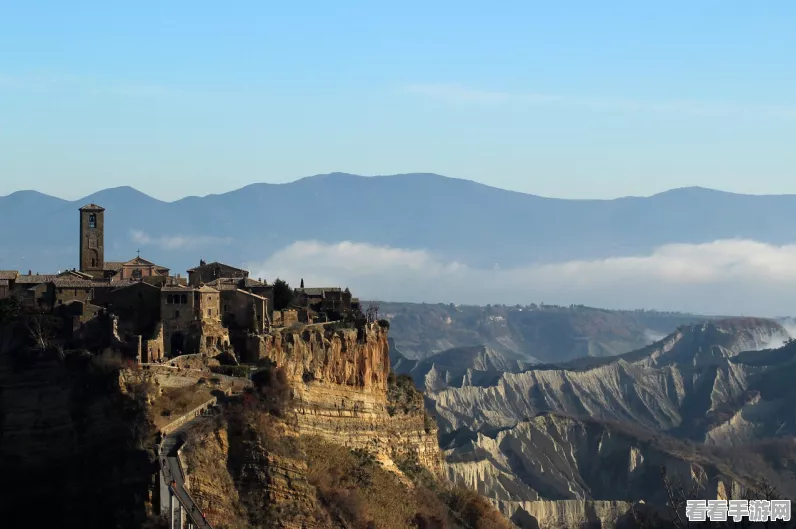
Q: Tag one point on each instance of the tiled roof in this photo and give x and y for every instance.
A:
(225, 286)
(177, 288)
(213, 265)
(34, 279)
(8, 274)
(115, 266)
(318, 291)
(205, 288)
(92, 207)
(75, 273)
(249, 282)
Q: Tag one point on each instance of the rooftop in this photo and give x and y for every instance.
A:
(34, 279)
(319, 291)
(8, 274)
(92, 207)
(114, 266)
(213, 265)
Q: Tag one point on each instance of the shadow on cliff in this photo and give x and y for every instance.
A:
(75, 450)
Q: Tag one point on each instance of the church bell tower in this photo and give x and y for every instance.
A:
(92, 240)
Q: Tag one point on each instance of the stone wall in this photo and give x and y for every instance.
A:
(154, 347)
(187, 416)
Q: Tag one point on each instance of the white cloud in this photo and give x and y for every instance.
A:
(177, 242)
(722, 277)
(464, 94)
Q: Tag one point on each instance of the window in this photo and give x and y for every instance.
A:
(92, 221)
(176, 314)
(169, 299)
(184, 299)
(75, 292)
(137, 273)
(209, 312)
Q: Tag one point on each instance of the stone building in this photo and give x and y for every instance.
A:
(259, 288)
(138, 307)
(242, 310)
(7, 280)
(92, 240)
(191, 318)
(331, 300)
(207, 272)
(137, 268)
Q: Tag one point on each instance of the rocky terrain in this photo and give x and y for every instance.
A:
(593, 432)
(534, 333)
(337, 441)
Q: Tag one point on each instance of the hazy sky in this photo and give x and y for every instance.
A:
(567, 99)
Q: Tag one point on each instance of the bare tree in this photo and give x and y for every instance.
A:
(41, 331)
(678, 496)
(372, 313)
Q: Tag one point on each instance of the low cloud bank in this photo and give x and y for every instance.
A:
(725, 277)
(177, 242)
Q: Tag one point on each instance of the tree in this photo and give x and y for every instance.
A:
(9, 309)
(283, 295)
(372, 313)
(41, 330)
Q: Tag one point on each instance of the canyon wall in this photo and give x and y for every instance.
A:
(340, 381)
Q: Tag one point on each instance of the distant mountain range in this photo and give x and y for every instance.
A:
(457, 219)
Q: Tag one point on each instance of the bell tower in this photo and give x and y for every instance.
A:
(92, 240)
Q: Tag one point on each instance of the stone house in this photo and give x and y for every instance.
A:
(138, 307)
(329, 299)
(207, 272)
(7, 280)
(242, 310)
(191, 319)
(254, 286)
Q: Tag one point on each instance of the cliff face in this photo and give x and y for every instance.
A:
(341, 381)
(354, 447)
(67, 432)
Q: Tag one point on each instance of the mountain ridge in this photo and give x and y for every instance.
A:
(339, 174)
(457, 220)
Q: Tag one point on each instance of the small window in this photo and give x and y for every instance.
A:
(209, 312)
(184, 299)
(75, 292)
(137, 273)
(92, 221)
(176, 314)
(169, 299)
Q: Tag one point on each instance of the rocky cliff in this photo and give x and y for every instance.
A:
(68, 433)
(340, 381)
(354, 446)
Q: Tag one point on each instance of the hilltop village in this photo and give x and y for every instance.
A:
(140, 308)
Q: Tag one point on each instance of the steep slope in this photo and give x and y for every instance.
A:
(329, 438)
(476, 365)
(463, 221)
(532, 333)
(683, 384)
(531, 469)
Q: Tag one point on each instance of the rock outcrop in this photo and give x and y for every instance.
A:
(340, 382)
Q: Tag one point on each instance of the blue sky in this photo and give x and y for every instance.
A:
(567, 99)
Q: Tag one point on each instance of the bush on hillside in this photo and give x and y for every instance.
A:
(273, 389)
